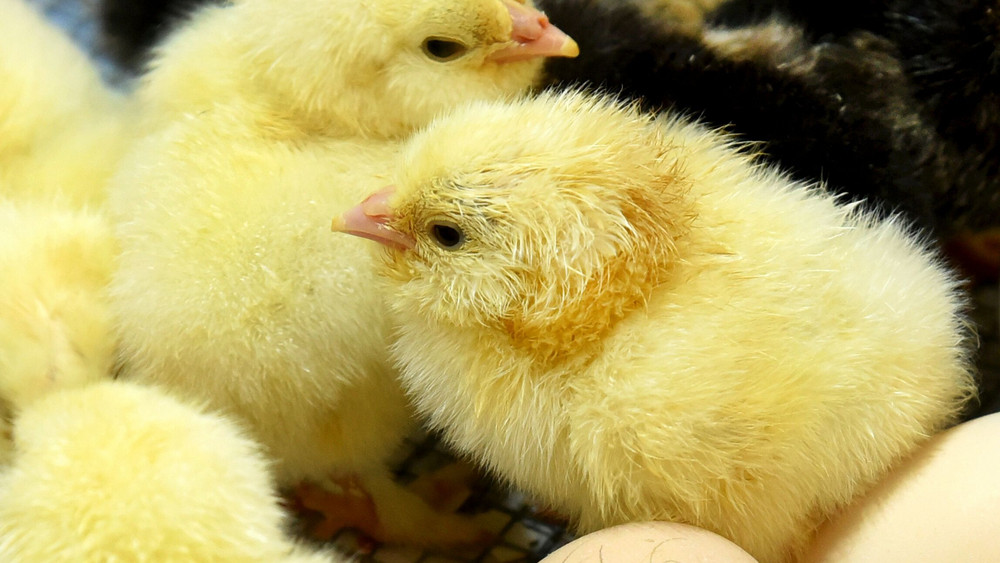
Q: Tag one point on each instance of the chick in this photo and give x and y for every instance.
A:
(687, 15)
(230, 291)
(260, 115)
(55, 322)
(62, 130)
(121, 472)
(343, 67)
(631, 320)
(947, 52)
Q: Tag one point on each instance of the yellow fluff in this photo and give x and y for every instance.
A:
(120, 472)
(631, 320)
(231, 291)
(343, 67)
(55, 323)
(260, 116)
(61, 129)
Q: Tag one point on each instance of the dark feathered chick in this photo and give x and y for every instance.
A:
(843, 109)
(130, 29)
(948, 53)
(631, 320)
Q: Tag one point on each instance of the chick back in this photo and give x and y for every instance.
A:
(231, 290)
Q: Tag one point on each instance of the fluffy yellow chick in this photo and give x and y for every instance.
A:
(344, 67)
(120, 472)
(259, 119)
(62, 130)
(631, 320)
(230, 291)
(55, 322)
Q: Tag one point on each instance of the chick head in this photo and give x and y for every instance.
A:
(385, 67)
(548, 219)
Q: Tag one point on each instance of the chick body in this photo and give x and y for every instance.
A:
(946, 53)
(641, 324)
(56, 329)
(120, 472)
(231, 292)
(62, 130)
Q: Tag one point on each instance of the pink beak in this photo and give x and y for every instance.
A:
(533, 36)
(370, 220)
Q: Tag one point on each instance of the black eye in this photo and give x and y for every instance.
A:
(443, 50)
(447, 235)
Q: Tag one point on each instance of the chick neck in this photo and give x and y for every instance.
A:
(566, 319)
(572, 332)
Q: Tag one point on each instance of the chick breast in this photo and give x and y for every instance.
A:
(643, 324)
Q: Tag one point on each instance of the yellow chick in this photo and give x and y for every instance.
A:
(120, 472)
(343, 67)
(260, 116)
(62, 130)
(55, 322)
(630, 319)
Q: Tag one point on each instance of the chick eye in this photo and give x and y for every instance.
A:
(443, 50)
(447, 235)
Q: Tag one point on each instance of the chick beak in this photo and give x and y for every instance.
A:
(533, 36)
(370, 220)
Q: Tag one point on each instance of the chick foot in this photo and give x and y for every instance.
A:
(385, 511)
(446, 489)
(341, 503)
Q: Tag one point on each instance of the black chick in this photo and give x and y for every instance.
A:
(949, 53)
(843, 109)
(129, 28)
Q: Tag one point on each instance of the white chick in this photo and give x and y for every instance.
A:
(631, 320)
(62, 130)
(121, 472)
(230, 291)
(343, 67)
(56, 329)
